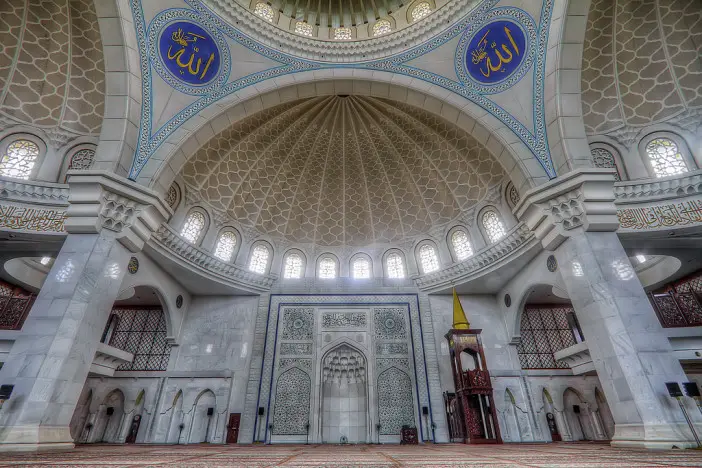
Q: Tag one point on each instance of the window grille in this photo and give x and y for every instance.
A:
(382, 27)
(259, 259)
(665, 157)
(303, 29)
(265, 11)
(342, 34)
(19, 159)
(493, 226)
(361, 268)
(293, 266)
(546, 330)
(604, 158)
(461, 245)
(193, 227)
(142, 332)
(428, 258)
(395, 266)
(225, 246)
(420, 11)
(327, 268)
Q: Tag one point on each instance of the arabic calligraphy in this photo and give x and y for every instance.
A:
(665, 216)
(496, 52)
(189, 53)
(30, 219)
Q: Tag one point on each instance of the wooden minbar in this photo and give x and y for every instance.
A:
(472, 413)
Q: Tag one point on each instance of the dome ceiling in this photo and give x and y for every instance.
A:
(337, 170)
(332, 13)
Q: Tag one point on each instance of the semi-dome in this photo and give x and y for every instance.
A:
(342, 170)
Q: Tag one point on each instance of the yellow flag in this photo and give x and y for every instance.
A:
(460, 322)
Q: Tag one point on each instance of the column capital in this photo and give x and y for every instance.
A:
(581, 200)
(102, 200)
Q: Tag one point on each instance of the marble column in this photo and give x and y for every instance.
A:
(576, 218)
(108, 219)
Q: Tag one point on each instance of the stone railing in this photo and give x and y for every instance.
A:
(655, 204)
(171, 241)
(489, 256)
(666, 188)
(32, 206)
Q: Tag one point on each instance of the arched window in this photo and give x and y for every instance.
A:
(665, 157)
(19, 159)
(342, 34)
(494, 228)
(361, 268)
(193, 227)
(421, 10)
(428, 258)
(293, 266)
(327, 268)
(264, 11)
(395, 266)
(82, 159)
(461, 244)
(382, 27)
(258, 263)
(304, 29)
(224, 250)
(604, 158)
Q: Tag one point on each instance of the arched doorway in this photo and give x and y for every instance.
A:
(175, 425)
(109, 420)
(344, 394)
(576, 414)
(550, 416)
(204, 422)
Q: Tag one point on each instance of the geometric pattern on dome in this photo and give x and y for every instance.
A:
(335, 171)
(636, 86)
(51, 65)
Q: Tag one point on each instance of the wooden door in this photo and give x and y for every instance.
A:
(134, 430)
(233, 428)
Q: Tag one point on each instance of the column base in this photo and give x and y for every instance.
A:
(35, 439)
(654, 436)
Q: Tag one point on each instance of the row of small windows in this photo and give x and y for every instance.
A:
(380, 27)
(195, 224)
(663, 156)
(21, 155)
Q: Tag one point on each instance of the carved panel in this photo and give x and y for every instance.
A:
(390, 323)
(395, 407)
(30, 219)
(344, 320)
(289, 362)
(298, 323)
(303, 349)
(391, 348)
(292, 403)
(344, 363)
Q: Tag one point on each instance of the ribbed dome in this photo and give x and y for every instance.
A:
(337, 170)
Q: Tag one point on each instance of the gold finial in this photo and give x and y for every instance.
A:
(460, 322)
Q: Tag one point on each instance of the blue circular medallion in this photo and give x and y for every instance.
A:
(189, 53)
(496, 52)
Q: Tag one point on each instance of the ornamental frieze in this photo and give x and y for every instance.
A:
(32, 219)
(665, 216)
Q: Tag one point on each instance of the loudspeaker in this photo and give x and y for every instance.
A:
(673, 389)
(210, 411)
(576, 409)
(110, 411)
(691, 389)
(425, 410)
(261, 410)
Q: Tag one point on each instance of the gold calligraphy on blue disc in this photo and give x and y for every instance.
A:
(189, 53)
(496, 52)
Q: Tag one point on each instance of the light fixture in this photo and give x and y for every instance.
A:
(45, 260)
(641, 258)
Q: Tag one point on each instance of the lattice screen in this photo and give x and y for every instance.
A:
(680, 304)
(142, 332)
(545, 330)
(15, 304)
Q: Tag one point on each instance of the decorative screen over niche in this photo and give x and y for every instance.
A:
(15, 304)
(142, 332)
(546, 330)
(680, 304)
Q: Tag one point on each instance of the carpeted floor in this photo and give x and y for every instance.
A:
(492, 456)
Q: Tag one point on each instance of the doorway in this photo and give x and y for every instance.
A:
(233, 428)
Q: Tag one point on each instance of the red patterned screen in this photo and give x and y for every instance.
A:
(15, 304)
(680, 304)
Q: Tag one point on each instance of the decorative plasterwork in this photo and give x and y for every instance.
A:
(33, 206)
(151, 138)
(655, 189)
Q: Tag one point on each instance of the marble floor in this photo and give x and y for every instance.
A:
(530, 455)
